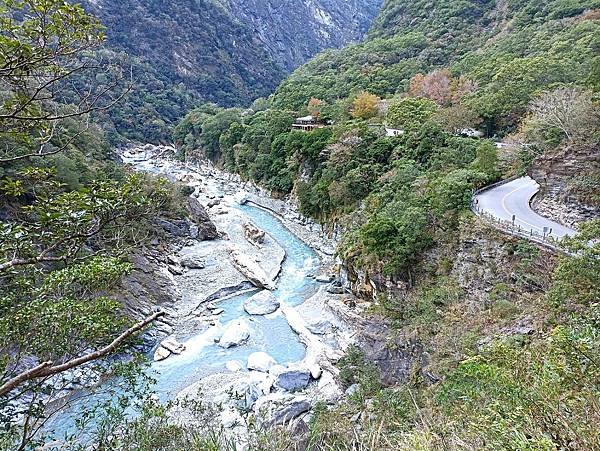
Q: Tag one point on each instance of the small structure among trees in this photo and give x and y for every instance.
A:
(313, 120)
(393, 132)
(307, 123)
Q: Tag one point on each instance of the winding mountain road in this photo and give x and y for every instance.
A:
(510, 202)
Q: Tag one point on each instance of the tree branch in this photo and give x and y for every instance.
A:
(48, 368)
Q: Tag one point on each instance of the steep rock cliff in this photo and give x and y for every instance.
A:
(292, 32)
(226, 51)
(569, 184)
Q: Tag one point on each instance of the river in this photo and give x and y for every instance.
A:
(202, 356)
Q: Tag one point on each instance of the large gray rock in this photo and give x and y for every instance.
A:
(251, 270)
(176, 227)
(192, 262)
(261, 303)
(292, 379)
(206, 229)
(278, 408)
(236, 333)
(261, 361)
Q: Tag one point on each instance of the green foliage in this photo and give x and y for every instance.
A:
(410, 113)
(397, 239)
(70, 216)
(500, 404)
(577, 279)
(547, 43)
(486, 161)
(453, 192)
(354, 369)
(260, 146)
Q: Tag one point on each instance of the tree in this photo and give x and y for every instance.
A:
(434, 86)
(410, 113)
(397, 239)
(452, 193)
(365, 106)
(212, 129)
(441, 87)
(577, 278)
(314, 107)
(40, 50)
(457, 117)
(62, 247)
(571, 111)
(486, 160)
(461, 87)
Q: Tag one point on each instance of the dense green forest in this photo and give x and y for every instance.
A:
(496, 70)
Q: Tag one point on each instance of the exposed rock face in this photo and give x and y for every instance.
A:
(161, 354)
(569, 185)
(230, 51)
(279, 408)
(206, 229)
(319, 326)
(292, 32)
(368, 284)
(147, 288)
(485, 258)
(179, 228)
(395, 356)
(261, 303)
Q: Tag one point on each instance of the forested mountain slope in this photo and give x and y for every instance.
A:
(292, 32)
(509, 48)
(225, 52)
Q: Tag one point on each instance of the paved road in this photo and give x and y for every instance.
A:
(513, 198)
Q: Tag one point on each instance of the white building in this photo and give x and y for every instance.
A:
(393, 132)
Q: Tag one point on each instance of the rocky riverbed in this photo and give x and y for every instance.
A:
(256, 312)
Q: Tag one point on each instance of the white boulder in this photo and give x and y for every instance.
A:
(261, 303)
(236, 333)
(234, 366)
(161, 354)
(173, 345)
(251, 270)
(261, 361)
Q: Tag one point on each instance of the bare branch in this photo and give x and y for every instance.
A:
(49, 369)
(41, 152)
